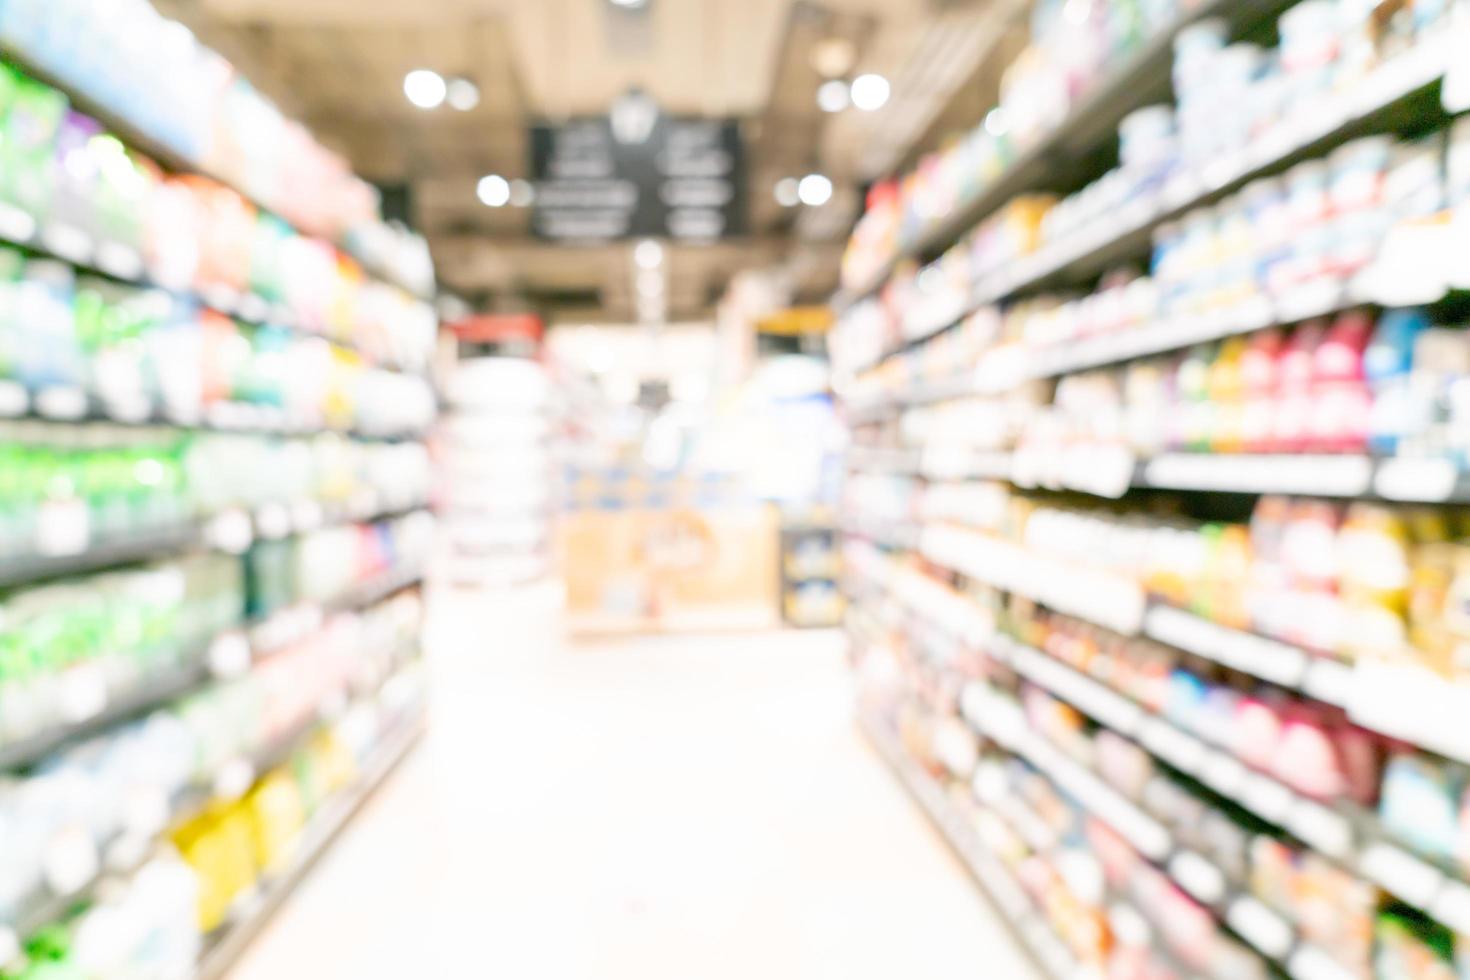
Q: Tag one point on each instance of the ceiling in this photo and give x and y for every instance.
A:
(338, 65)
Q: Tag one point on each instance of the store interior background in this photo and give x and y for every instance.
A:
(727, 488)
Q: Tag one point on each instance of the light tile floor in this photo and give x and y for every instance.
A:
(660, 808)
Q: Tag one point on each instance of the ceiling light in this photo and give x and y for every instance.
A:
(788, 192)
(833, 57)
(633, 117)
(424, 88)
(648, 254)
(522, 193)
(832, 96)
(814, 190)
(870, 92)
(463, 94)
(493, 191)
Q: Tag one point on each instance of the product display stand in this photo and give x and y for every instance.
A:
(225, 949)
(1079, 528)
(216, 529)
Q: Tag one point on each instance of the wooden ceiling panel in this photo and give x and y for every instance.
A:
(338, 65)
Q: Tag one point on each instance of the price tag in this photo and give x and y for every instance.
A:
(233, 779)
(1224, 775)
(222, 298)
(14, 400)
(1183, 752)
(1413, 703)
(1430, 480)
(128, 408)
(334, 705)
(230, 532)
(1181, 190)
(1259, 926)
(229, 655)
(67, 242)
(127, 851)
(120, 261)
(1329, 681)
(70, 861)
(364, 503)
(1310, 963)
(1267, 798)
(146, 811)
(253, 308)
(63, 527)
(973, 701)
(1131, 928)
(1198, 877)
(1328, 832)
(1311, 300)
(16, 225)
(1104, 471)
(1399, 872)
(62, 402)
(273, 521)
(306, 515)
(83, 693)
(1452, 906)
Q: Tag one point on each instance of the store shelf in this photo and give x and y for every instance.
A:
(1004, 892)
(1410, 704)
(19, 570)
(1110, 471)
(1405, 700)
(377, 589)
(1127, 232)
(1007, 370)
(232, 531)
(1282, 664)
(228, 654)
(1348, 834)
(157, 690)
(891, 533)
(1096, 596)
(124, 264)
(73, 405)
(224, 948)
(1092, 121)
(1269, 933)
(130, 846)
(165, 156)
(886, 460)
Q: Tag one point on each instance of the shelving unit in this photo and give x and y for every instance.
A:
(1398, 88)
(280, 557)
(1017, 910)
(225, 948)
(945, 611)
(1089, 125)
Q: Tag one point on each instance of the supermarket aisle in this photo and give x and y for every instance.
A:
(644, 808)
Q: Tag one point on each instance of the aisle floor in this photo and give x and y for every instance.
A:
(652, 809)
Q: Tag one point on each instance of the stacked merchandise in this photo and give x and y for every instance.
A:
(498, 469)
(811, 563)
(1158, 571)
(186, 106)
(212, 490)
